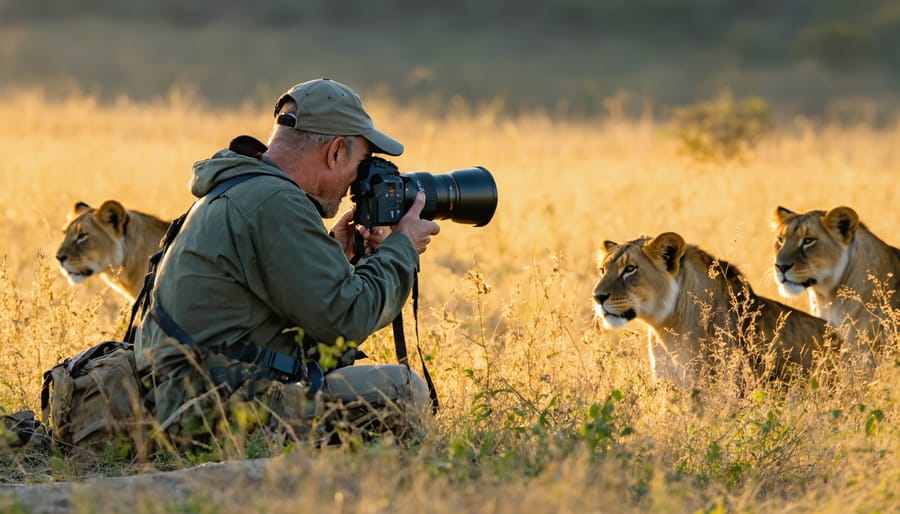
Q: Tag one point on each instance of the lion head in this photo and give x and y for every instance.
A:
(695, 305)
(638, 279)
(93, 241)
(811, 248)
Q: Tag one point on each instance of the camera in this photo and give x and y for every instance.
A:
(383, 195)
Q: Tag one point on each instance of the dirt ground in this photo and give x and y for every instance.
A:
(224, 483)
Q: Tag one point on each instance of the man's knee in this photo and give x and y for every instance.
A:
(374, 383)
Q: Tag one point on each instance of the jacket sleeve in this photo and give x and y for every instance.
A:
(305, 277)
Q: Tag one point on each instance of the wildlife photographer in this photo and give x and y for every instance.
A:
(257, 306)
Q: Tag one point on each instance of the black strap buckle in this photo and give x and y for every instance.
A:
(290, 368)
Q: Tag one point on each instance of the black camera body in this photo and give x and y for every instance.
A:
(383, 195)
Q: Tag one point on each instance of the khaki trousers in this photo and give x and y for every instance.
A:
(363, 401)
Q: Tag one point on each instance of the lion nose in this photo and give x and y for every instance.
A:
(783, 267)
(61, 258)
(600, 297)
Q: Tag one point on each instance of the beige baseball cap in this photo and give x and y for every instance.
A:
(328, 107)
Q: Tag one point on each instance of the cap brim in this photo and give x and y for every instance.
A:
(383, 143)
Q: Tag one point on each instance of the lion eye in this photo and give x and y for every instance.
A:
(81, 238)
(628, 270)
(808, 241)
(602, 270)
(779, 241)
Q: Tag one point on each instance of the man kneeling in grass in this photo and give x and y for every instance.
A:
(256, 305)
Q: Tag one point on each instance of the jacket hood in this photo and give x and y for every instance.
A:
(225, 164)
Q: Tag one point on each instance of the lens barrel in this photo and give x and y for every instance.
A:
(467, 195)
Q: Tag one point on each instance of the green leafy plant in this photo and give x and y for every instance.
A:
(604, 427)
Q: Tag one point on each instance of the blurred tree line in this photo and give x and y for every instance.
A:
(839, 34)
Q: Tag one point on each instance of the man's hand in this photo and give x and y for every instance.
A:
(374, 237)
(411, 225)
(344, 231)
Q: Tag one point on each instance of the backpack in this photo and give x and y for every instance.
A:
(94, 403)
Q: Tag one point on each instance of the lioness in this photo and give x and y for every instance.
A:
(838, 260)
(112, 241)
(694, 303)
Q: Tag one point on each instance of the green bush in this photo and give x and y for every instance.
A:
(722, 129)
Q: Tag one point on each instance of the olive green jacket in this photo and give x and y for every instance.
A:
(259, 260)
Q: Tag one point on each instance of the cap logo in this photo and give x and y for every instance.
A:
(288, 119)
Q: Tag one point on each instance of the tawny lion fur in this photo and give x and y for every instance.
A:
(852, 277)
(695, 304)
(111, 241)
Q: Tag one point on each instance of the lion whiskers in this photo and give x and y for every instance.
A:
(769, 278)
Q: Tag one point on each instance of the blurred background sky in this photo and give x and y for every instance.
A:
(827, 59)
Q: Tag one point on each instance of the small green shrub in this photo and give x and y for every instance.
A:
(722, 129)
(603, 426)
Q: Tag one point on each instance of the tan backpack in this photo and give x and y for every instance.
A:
(93, 403)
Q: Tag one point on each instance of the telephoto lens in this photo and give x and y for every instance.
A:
(383, 195)
(467, 195)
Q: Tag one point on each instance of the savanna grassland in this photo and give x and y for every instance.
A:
(542, 409)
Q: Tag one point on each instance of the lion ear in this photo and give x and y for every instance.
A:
(112, 216)
(668, 249)
(843, 221)
(81, 208)
(781, 215)
(609, 245)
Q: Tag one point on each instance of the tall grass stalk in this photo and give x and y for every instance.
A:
(543, 411)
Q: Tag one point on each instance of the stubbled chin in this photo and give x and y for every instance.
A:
(790, 289)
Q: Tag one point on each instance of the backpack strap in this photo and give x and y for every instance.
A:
(282, 367)
(141, 303)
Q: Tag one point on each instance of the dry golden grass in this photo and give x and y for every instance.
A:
(542, 410)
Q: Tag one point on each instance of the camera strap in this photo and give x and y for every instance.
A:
(359, 250)
(400, 343)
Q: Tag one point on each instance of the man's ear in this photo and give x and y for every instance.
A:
(337, 150)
